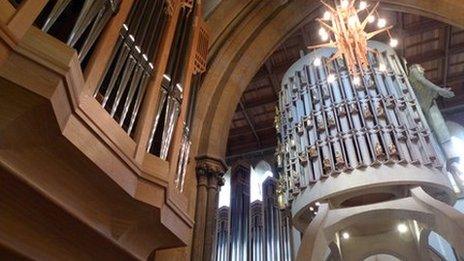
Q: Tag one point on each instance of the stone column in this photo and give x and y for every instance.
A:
(209, 179)
(215, 180)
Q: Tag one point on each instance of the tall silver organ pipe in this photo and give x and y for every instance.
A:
(285, 239)
(330, 124)
(172, 85)
(122, 89)
(272, 221)
(257, 241)
(223, 234)
(259, 231)
(239, 217)
(87, 17)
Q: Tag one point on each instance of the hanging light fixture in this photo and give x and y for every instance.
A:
(344, 27)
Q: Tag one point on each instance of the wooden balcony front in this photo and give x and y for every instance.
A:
(74, 184)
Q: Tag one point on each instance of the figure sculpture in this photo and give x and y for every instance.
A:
(427, 93)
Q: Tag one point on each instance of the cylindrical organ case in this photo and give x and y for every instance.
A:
(338, 132)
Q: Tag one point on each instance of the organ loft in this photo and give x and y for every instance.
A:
(214, 130)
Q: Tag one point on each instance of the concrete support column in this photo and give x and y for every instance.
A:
(209, 179)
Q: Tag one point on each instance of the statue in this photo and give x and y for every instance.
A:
(427, 93)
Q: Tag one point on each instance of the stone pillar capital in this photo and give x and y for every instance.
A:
(209, 167)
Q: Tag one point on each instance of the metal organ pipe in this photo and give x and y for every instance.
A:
(185, 143)
(130, 67)
(223, 234)
(256, 231)
(172, 85)
(329, 124)
(87, 26)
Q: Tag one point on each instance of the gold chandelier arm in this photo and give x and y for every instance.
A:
(325, 25)
(331, 44)
(372, 34)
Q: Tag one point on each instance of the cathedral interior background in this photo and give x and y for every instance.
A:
(208, 130)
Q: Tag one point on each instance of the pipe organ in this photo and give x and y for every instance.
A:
(199, 61)
(123, 87)
(256, 231)
(77, 23)
(272, 221)
(172, 85)
(352, 146)
(239, 213)
(329, 125)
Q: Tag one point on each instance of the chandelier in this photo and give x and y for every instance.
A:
(343, 27)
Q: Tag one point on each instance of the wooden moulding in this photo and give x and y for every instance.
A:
(41, 67)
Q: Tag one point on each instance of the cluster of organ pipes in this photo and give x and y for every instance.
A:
(171, 97)
(186, 142)
(92, 17)
(328, 125)
(123, 86)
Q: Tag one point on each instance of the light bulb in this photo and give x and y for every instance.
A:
(324, 37)
(402, 228)
(345, 235)
(382, 67)
(317, 62)
(344, 3)
(393, 42)
(362, 5)
(317, 204)
(331, 78)
(352, 21)
(381, 23)
(357, 80)
(326, 16)
(371, 19)
(322, 31)
(311, 209)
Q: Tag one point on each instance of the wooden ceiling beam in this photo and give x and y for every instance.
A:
(275, 85)
(234, 146)
(250, 123)
(435, 54)
(256, 115)
(422, 27)
(262, 132)
(258, 102)
(255, 153)
(259, 127)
